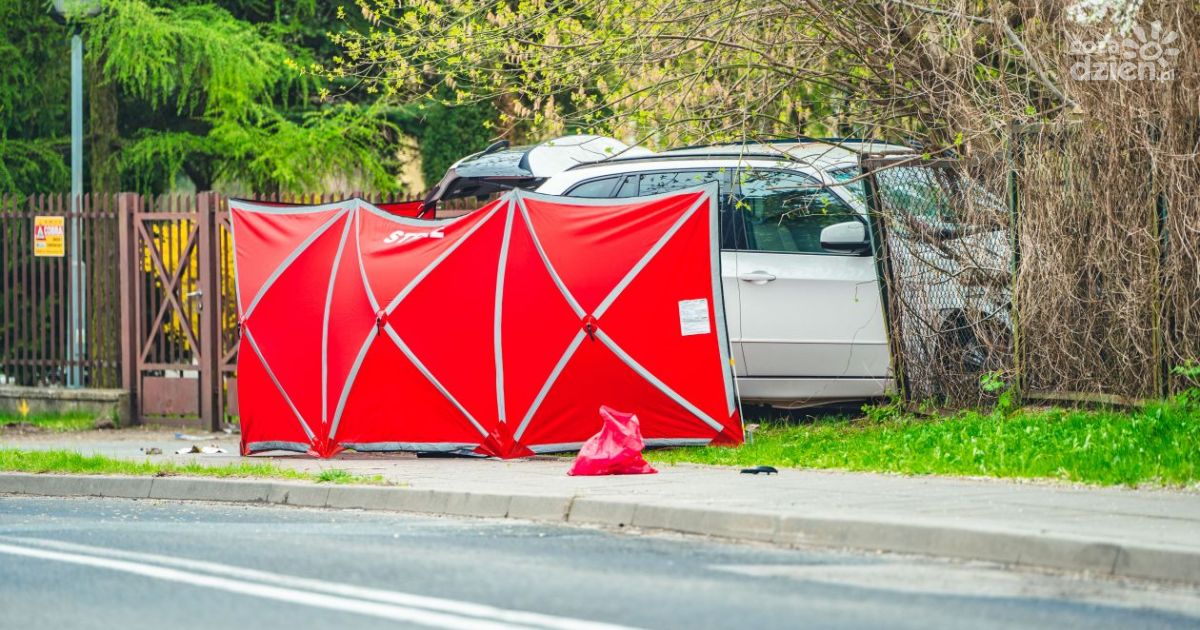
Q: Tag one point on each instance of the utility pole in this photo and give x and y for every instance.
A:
(77, 292)
(70, 12)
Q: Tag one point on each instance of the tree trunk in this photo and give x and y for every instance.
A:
(103, 137)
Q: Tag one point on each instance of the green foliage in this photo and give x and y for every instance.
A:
(152, 158)
(445, 133)
(33, 100)
(271, 149)
(33, 165)
(883, 412)
(71, 421)
(194, 57)
(1189, 370)
(1157, 444)
(994, 383)
(660, 71)
(16, 460)
(208, 90)
(335, 475)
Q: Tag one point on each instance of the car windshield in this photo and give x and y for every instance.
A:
(932, 197)
(856, 188)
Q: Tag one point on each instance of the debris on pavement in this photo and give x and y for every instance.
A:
(764, 470)
(615, 450)
(202, 450)
(151, 450)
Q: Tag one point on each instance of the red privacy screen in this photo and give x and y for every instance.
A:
(545, 307)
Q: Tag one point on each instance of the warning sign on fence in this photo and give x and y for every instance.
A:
(49, 236)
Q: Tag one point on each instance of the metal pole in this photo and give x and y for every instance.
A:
(76, 342)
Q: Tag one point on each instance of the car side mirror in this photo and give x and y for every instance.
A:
(849, 237)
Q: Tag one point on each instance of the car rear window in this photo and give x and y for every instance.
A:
(595, 189)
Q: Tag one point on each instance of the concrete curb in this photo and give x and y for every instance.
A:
(968, 541)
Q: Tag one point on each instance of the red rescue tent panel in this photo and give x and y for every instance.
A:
(547, 309)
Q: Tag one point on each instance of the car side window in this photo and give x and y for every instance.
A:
(595, 189)
(658, 183)
(786, 211)
(629, 187)
(731, 229)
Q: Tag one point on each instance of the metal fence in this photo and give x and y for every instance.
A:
(1108, 286)
(156, 293)
(1067, 270)
(945, 259)
(36, 294)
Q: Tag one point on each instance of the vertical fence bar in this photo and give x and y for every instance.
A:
(93, 321)
(14, 285)
(37, 307)
(26, 313)
(53, 293)
(210, 332)
(127, 279)
(1015, 151)
(7, 259)
(12, 254)
(69, 207)
(93, 336)
(1162, 372)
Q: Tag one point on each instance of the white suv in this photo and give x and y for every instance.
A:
(801, 288)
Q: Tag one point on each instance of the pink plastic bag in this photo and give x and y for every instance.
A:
(615, 450)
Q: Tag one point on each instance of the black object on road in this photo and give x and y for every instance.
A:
(766, 470)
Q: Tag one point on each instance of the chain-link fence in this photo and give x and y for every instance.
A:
(946, 267)
(1069, 269)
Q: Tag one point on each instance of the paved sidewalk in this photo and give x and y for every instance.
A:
(1145, 533)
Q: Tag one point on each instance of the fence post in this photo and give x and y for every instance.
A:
(210, 332)
(1162, 377)
(1015, 150)
(885, 273)
(127, 251)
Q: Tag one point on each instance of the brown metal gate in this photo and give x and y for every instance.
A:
(169, 283)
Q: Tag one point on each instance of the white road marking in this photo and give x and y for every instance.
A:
(428, 611)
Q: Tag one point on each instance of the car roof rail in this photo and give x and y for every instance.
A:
(666, 157)
(798, 139)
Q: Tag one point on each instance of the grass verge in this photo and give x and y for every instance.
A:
(71, 421)
(70, 462)
(1155, 445)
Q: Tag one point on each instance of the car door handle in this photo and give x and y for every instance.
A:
(756, 277)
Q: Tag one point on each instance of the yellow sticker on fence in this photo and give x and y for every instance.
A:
(49, 236)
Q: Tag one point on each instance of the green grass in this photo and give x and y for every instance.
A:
(70, 462)
(1155, 445)
(71, 421)
(335, 475)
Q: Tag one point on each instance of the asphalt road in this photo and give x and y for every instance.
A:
(110, 563)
